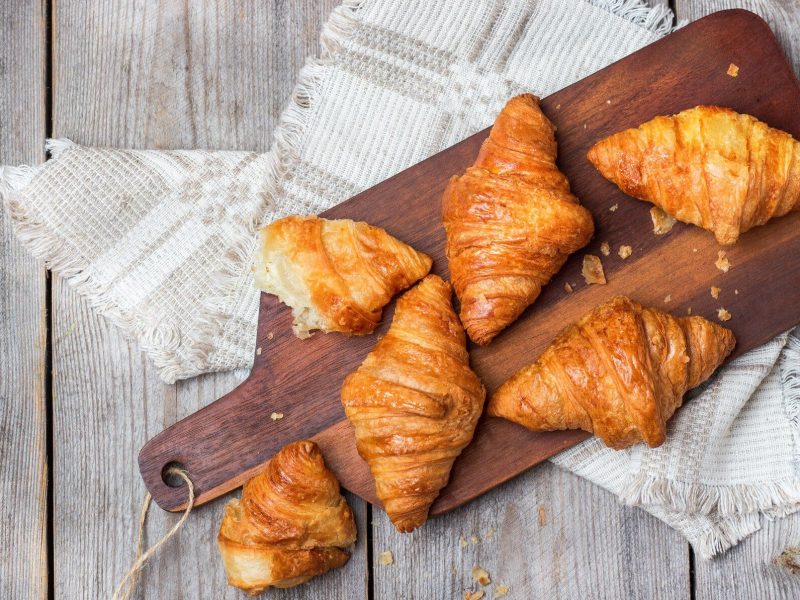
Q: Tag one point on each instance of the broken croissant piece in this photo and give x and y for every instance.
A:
(511, 221)
(619, 372)
(290, 524)
(414, 403)
(709, 166)
(335, 275)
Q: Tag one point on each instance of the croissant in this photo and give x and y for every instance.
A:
(511, 221)
(414, 403)
(619, 372)
(291, 523)
(335, 275)
(709, 166)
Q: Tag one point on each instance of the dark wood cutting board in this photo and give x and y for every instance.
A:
(227, 442)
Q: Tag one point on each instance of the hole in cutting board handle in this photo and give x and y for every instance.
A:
(170, 479)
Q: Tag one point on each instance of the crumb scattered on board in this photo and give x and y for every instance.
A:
(500, 590)
(723, 264)
(723, 314)
(490, 532)
(689, 310)
(613, 208)
(270, 335)
(463, 541)
(733, 70)
(789, 559)
(625, 251)
(568, 288)
(542, 516)
(474, 595)
(386, 558)
(593, 270)
(662, 222)
(605, 249)
(474, 539)
(258, 351)
(276, 416)
(667, 298)
(715, 292)
(736, 292)
(481, 575)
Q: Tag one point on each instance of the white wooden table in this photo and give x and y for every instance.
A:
(77, 400)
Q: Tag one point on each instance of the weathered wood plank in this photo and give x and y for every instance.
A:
(546, 534)
(172, 75)
(748, 571)
(23, 328)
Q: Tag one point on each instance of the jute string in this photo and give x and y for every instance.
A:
(127, 586)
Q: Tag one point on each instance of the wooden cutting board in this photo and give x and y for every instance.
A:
(227, 442)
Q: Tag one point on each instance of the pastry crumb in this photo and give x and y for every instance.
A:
(723, 314)
(474, 595)
(481, 575)
(542, 516)
(605, 249)
(662, 222)
(258, 351)
(386, 558)
(625, 251)
(608, 101)
(490, 532)
(593, 270)
(723, 264)
(568, 288)
(694, 249)
(733, 70)
(463, 541)
(270, 335)
(500, 590)
(558, 106)
(715, 292)
(689, 311)
(667, 298)
(276, 416)
(613, 208)
(736, 292)
(474, 539)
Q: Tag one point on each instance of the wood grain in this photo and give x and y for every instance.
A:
(23, 328)
(546, 534)
(685, 69)
(169, 74)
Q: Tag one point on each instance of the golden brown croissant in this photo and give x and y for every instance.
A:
(291, 523)
(335, 275)
(510, 220)
(619, 372)
(708, 166)
(414, 403)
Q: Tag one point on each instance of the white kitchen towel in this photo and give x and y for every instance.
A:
(161, 241)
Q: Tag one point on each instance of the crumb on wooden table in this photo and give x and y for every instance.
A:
(605, 249)
(481, 575)
(593, 270)
(715, 292)
(625, 251)
(490, 532)
(270, 335)
(733, 70)
(474, 539)
(689, 311)
(474, 595)
(789, 559)
(667, 298)
(722, 263)
(276, 416)
(386, 558)
(463, 541)
(258, 351)
(736, 292)
(662, 222)
(568, 288)
(613, 208)
(723, 314)
(542, 516)
(500, 590)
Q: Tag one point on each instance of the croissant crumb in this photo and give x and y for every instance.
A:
(662, 222)
(276, 416)
(715, 292)
(625, 252)
(477, 595)
(593, 270)
(500, 591)
(481, 576)
(386, 558)
(733, 70)
(613, 208)
(568, 288)
(722, 263)
(605, 249)
(723, 314)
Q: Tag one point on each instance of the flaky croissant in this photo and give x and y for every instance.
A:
(510, 220)
(414, 403)
(335, 275)
(291, 523)
(709, 166)
(619, 372)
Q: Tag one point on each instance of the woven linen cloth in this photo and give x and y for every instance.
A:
(161, 242)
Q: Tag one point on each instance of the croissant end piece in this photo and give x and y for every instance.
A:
(619, 372)
(511, 221)
(291, 523)
(709, 166)
(414, 403)
(335, 275)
